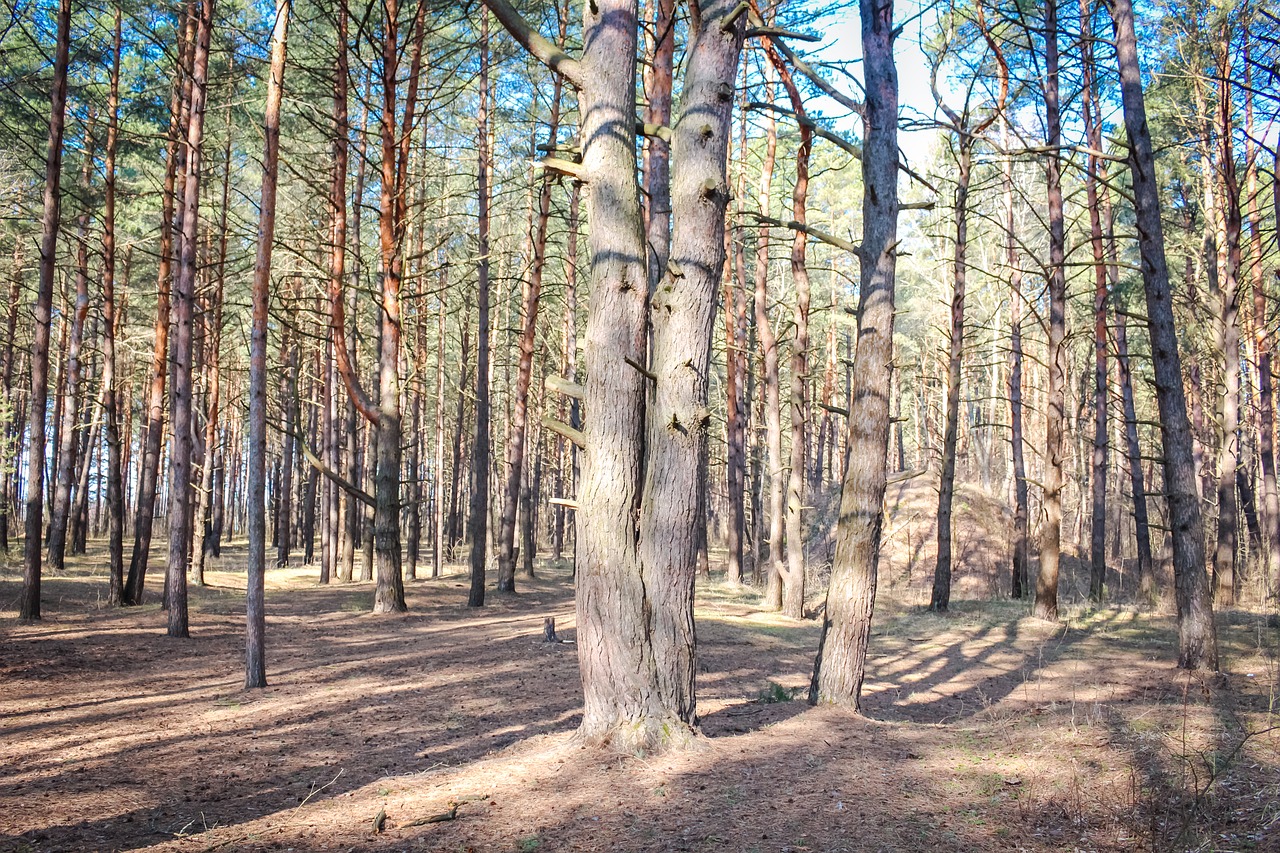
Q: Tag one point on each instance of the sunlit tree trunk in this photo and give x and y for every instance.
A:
(846, 626)
(769, 372)
(1046, 603)
(1197, 636)
(149, 475)
(180, 514)
(255, 615)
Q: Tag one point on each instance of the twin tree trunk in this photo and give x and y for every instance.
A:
(635, 586)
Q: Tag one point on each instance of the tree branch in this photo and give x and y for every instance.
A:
(541, 48)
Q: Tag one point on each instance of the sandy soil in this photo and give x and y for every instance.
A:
(985, 729)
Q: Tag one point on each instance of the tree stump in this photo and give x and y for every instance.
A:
(549, 630)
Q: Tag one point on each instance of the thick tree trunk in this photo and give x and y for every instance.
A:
(1197, 640)
(1046, 603)
(846, 626)
(683, 317)
(29, 601)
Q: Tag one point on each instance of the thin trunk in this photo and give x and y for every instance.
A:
(255, 602)
(1098, 478)
(1225, 575)
(940, 598)
(115, 467)
(793, 579)
(29, 602)
(1046, 604)
(72, 394)
(769, 355)
(479, 515)
(180, 515)
(1262, 340)
(519, 415)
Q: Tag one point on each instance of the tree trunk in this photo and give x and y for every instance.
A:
(793, 579)
(115, 479)
(1197, 636)
(769, 355)
(9, 424)
(72, 394)
(1225, 576)
(1046, 604)
(255, 602)
(1098, 478)
(1262, 340)
(213, 377)
(519, 414)
(846, 626)
(478, 514)
(438, 521)
(180, 515)
(940, 598)
(149, 477)
(29, 601)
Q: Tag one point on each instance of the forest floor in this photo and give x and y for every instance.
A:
(986, 730)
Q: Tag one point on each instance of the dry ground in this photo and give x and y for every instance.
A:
(986, 730)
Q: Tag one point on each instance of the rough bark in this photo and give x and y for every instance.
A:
(683, 317)
(1225, 576)
(1046, 602)
(846, 626)
(1197, 636)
